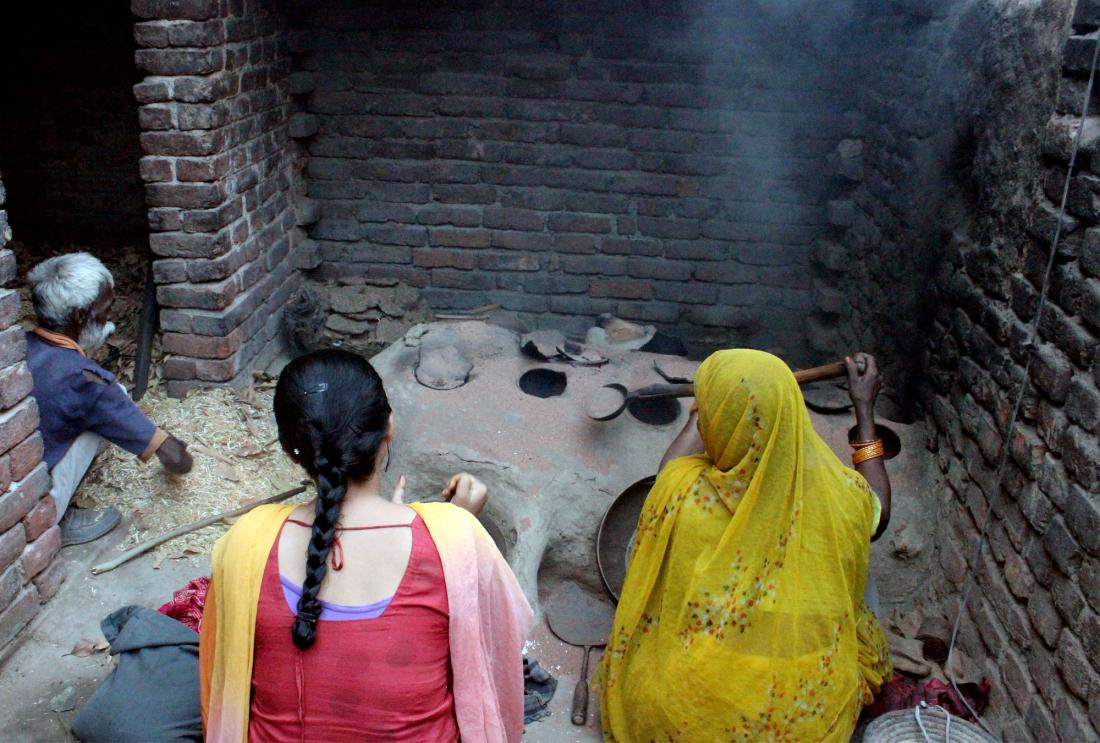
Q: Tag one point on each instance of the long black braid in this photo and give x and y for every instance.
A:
(333, 417)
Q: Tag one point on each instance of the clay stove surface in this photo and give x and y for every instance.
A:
(552, 471)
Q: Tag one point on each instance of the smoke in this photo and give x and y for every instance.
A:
(781, 73)
(821, 24)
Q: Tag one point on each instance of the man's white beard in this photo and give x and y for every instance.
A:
(93, 335)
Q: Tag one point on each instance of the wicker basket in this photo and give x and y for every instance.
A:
(902, 727)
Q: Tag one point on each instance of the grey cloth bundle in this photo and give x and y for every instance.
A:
(153, 692)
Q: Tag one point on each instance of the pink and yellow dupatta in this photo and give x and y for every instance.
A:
(489, 621)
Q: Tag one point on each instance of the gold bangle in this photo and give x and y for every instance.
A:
(861, 444)
(871, 451)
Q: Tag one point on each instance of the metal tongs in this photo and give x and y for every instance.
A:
(605, 406)
(656, 391)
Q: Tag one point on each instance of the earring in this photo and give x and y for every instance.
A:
(386, 466)
(297, 453)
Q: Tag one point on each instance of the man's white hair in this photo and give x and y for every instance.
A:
(64, 284)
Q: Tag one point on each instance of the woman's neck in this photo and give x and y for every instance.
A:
(365, 491)
(364, 503)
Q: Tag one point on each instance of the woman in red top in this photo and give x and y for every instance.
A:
(351, 643)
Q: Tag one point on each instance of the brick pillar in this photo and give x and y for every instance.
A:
(218, 171)
(29, 538)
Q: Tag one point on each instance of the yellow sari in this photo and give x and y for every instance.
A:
(742, 615)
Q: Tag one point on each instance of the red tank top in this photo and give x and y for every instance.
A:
(387, 678)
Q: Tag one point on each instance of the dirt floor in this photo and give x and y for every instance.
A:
(42, 666)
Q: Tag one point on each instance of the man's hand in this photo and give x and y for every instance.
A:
(174, 457)
(466, 491)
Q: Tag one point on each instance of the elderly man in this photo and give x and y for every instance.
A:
(80, 405)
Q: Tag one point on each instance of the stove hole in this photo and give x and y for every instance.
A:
(655, 411)
(543, 383)
(503, 542)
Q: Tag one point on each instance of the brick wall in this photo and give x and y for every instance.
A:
(29, 537)
(925, 68)
(220, 179)
(950, 115)
(68, 129)
(964, 167)
(661, 161)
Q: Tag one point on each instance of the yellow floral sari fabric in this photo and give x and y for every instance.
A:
(742, 615)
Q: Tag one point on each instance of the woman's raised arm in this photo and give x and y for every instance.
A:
(863, 387)
(687, 442)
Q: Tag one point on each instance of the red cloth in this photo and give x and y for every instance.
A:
(903, 692)
(187, 603)
(387, 678)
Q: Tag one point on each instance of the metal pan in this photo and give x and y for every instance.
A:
(615, 537)
(616, 532)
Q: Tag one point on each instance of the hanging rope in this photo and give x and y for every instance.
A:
(1033, 331)
(920, 723)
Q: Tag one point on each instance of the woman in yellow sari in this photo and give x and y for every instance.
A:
(742, 614)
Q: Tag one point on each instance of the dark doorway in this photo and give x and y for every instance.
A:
(69, 137)
(70, 152)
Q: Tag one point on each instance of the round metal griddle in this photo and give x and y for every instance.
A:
(615, 537)
(613, 540)
(496, 534)
(583, 619)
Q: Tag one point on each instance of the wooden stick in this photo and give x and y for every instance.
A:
(140, 549)
(481, 310)
(212, 453)
(834, 370)
(477, 313)
(147, 328)
(462, 318)
(248, 423)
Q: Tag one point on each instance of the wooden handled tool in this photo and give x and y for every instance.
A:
(834, 370)
(582, 619)
(611, 400)
(142, 547)
(579, 713)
